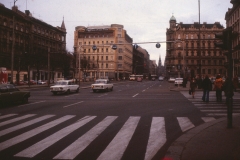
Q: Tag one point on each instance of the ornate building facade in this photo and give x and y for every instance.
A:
(232, 18)
(187, 54)
(27, 41)
(103, 61)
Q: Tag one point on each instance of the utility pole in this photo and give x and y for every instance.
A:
(13, 44)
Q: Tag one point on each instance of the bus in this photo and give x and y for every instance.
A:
(134, 77)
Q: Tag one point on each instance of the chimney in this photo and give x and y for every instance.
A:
(27, 12)
(15, 8)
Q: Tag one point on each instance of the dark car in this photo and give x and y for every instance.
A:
(10, 94)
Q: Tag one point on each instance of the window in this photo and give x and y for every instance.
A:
(191, 36)
(186, 36)
(209, 71)
(106, 57)
(106, 65)
(102, 57)
(119, 65)
(179, 37)
(119, 35)
(106, 49)
(119, 57)
(120, 50)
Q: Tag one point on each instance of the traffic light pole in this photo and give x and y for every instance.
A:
(229, 83)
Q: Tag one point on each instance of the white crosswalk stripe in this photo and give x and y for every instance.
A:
(40, 146)
(157, 137)
(29, 134)
(118, 145)
(8, 115)
(185, 123)
(81, 143)
(213, 108)
(20, 126)
(16, 119)
(115, 149)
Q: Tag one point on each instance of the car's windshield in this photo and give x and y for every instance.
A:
(61, 83)
(97, 82)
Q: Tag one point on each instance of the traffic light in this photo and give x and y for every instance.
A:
(223, 39)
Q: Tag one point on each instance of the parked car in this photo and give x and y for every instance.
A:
(139, 79)
(102, 85)
(160, 78)
(178, 81)
(20, 83)
(32, 82)
(10, 94)
(41, 82)
(171, 79)
(64, 86)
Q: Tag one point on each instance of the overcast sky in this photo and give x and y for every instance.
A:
(144, 20)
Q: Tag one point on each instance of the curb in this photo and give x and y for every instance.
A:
(176, 149)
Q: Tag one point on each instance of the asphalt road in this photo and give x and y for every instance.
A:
(137, 120)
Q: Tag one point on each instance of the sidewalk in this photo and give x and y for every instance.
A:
(209, 141)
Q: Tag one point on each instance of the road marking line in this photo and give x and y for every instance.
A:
(47, 142)
(28, 123)
(33, 132)
(31, 103)
(72, 104)
(185, 123)
(118, 145)
(82, 142)
(208, 119)
(8, 115)
(103, 95)
(16, 119)
(71, 95)
(157, 137)
(135, 95)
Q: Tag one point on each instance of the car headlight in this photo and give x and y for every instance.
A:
(92, 86)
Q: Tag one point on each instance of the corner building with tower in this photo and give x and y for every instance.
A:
(188, 54)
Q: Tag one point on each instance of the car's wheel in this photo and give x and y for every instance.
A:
(77, 90)
(94, 90)
(25, 100)
(55, 93)
(68, 91)
(112, 89)
(106, 89)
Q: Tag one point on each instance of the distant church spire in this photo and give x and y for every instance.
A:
(63, 25)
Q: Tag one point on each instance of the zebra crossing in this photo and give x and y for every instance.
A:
(213, 108)
(117, 146)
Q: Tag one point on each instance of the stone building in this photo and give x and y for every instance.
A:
(28, 39)
(187, 54)
(103, 61)
(232, 18)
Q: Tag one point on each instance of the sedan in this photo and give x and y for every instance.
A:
(161, 78)
(102, 85)
(178, 81)
(41, 82)
(10, 94)
(171, 79)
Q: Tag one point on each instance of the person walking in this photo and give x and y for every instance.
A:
(207, 86)
(218, 84)
(193, 86)
(235, 83)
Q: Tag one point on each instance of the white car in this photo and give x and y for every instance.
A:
(41, 82)
(102, 85)
(178, 81)
(161, 78)
(171, 79)
(64, 86)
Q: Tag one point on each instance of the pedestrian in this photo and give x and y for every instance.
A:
(207, 86)
(218, 86)
(185, 82)
(193, 86)
(235, 83)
